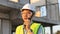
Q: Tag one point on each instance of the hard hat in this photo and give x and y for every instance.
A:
(29, 7)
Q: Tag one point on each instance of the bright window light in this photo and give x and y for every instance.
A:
(14, 0)
(43, 11)
(47, 30)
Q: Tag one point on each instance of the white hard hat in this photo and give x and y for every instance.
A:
(29, 7)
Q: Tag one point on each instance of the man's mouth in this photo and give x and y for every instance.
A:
(25, 18)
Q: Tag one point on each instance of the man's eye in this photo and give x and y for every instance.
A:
(29, 13)
(23, 13)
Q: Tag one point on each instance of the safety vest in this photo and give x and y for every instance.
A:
(34, 26)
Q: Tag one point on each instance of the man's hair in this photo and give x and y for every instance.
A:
(29, 10)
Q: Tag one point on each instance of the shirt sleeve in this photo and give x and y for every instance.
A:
(41, 30)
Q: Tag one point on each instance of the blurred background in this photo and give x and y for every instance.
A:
(47, 13)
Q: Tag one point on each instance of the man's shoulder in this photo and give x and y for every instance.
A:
(36, 23)
(18, 27)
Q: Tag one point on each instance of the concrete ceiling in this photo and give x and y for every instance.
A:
(4, 9)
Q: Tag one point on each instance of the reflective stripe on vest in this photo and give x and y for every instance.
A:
(34, 27)
(43, 30)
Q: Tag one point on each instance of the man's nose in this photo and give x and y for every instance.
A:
(25, 15)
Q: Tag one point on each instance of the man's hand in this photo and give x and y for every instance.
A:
(29, 32)
(27, 26)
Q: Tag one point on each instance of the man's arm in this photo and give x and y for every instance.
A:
(41, 30)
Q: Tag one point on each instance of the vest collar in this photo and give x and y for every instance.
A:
(30, 24)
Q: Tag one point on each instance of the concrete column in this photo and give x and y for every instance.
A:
(52, 10)
(51, 29)
(0, 27)
(6, 27)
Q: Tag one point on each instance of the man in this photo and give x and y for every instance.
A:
(29, 27)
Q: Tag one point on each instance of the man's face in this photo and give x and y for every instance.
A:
(26, 14)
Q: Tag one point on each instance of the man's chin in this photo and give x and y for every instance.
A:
(26, 20)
